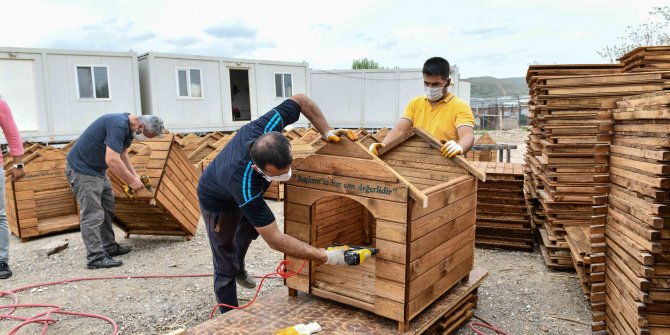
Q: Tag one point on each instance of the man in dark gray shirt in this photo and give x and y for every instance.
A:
(104, 145)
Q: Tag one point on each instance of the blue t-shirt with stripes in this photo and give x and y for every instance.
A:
(230, 181)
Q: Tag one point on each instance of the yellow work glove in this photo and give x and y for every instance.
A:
(334, 135)
(451, 149)
(374, 148)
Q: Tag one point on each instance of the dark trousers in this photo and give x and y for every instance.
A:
(230, 235)
(95, 197)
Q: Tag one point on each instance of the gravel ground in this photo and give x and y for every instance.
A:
(520, 295)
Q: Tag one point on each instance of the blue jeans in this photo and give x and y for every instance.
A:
(4, 231)
(230, 235)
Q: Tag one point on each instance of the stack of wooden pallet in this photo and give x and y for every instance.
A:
(645, 59)
(573, 114)
(502, 217)
(483, 155)
(638, 260)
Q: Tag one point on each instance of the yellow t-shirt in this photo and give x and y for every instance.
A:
(443, 119)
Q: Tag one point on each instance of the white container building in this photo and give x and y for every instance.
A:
(56, 94)
(202, 93)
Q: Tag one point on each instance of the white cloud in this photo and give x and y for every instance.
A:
(484, 37)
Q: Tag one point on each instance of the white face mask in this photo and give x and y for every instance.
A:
(434, 93)
(282, 177)
(140, 136)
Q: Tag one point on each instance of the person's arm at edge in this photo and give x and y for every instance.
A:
(290, 245)
(312, 112)
(466, 137)
(12, 135)
(402, 127)
(126, 161)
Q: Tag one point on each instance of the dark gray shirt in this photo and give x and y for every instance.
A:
(87, 156)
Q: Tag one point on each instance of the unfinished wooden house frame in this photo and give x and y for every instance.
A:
(172, 208)
(42, 201)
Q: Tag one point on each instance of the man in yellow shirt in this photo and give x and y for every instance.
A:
(439, 112)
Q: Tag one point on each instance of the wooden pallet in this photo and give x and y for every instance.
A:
(42, 201)
(172, 208)
(278, 311)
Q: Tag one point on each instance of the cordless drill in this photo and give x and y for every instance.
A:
(355, 255)
(145, 180)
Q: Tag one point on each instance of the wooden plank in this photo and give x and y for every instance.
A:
(460, 160)
(444, 198)
(443, 233)
(354, 186)
(440, 253)
(344, 148)
(380, 209)
(346, 167)
(439, 271)
(424, 299)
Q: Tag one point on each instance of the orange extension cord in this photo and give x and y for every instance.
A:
(284, 270)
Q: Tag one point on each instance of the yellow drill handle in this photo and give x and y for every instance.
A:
(128, 191)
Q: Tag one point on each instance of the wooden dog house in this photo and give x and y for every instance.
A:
(172, 208)
(417, 207)
(483, 155)
(42, 201)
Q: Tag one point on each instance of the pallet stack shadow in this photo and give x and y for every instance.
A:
(172, 208)
(638, 239)
(42, 202)
(502, 216)
(423, 251)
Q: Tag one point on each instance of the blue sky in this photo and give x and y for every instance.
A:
(495, 38)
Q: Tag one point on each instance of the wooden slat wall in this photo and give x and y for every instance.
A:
(638, 280)
(442, 239)
(421, 164)
(173, 209)
(275, 191)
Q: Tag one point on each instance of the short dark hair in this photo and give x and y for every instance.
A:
(437, 66)
(271, 148)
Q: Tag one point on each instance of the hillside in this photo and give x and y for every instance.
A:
(486, 87)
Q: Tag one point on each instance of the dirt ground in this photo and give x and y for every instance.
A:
(520, 295)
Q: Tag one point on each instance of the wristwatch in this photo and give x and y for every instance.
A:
(18, 166)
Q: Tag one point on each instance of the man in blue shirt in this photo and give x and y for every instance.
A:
(231, 191)
(104, 144)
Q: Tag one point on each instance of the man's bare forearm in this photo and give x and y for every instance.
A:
(296, 248)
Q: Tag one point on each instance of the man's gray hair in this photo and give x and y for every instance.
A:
(152, 124)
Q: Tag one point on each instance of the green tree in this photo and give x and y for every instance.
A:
(654, 32)
(364, 63)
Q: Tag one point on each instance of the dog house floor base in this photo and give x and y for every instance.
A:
(277, 311)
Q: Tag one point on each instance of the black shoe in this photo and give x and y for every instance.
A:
(106, 262)
(245, 280)
(119, 250)
(5, 272)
